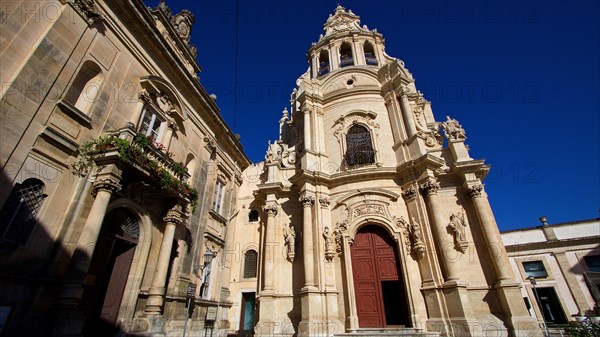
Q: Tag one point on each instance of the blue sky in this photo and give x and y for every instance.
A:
(521, 77)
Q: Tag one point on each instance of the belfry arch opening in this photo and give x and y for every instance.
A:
(370, 57)
(379, 288)
(346, 57)
(109, 271)
(324, 64)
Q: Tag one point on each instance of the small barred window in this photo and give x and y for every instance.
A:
(17, 216)
(250, 263)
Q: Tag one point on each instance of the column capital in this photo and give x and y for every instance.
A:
(429, 187)
(324, 201)
(270, 209)
(109, 184)
(409, 193)
(175, 216)
(474, 191)
(307, 200)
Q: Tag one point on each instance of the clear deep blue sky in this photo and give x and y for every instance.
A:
(521, 77)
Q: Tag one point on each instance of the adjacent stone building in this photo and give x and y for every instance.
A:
(363, 216)
(119, 174)
(564, 260)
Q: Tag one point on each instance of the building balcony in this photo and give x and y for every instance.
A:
(139, 154)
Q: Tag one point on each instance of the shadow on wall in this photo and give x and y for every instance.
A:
(33, 265)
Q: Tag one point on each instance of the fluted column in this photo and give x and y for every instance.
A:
(174, 217)
(490, 232)
(407, 115)
(106, 183)
(444, 241)
(270, 241)
(307, 240)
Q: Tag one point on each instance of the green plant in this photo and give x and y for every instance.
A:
(587, 328)
(133, 152)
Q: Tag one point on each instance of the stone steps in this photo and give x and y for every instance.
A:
(387, 332)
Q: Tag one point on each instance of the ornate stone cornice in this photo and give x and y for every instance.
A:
(409, 193)
(474, 191)
(270, 209)
(430, 187)
(109, 184)
(307, 200)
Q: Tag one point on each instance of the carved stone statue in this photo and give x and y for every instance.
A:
(453, 130)
(290, 241)
(329, 249)
(458, 225)
(415, 233)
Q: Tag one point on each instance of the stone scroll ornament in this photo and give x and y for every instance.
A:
(458, 227)
(289, 236)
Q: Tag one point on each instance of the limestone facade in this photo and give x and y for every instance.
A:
(564, 259)
(369, 217)
(119, 175)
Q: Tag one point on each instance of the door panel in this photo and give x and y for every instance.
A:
(380, 295)
(116, 285)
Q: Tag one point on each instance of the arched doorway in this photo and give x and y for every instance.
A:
(109, 270)
(378, 284)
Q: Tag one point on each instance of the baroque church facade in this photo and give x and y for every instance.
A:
(129, 208)
(370, 219)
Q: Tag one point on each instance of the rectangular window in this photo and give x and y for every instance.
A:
(535, 269)
(218, 200)
(593, 262)
(151, 125)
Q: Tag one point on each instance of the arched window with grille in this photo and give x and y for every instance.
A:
(359, 147)
(17, 216)
(250, 263)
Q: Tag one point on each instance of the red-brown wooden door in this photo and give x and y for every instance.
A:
(379, 290)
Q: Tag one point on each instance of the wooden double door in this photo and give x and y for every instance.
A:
(108, 272)
(378, 284)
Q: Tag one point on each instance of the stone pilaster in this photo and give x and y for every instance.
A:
(443, 241)
(174, 218)
(270, 242)
(307, 202)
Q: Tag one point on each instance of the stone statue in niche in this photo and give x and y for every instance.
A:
(289, 236)
(458, 226)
